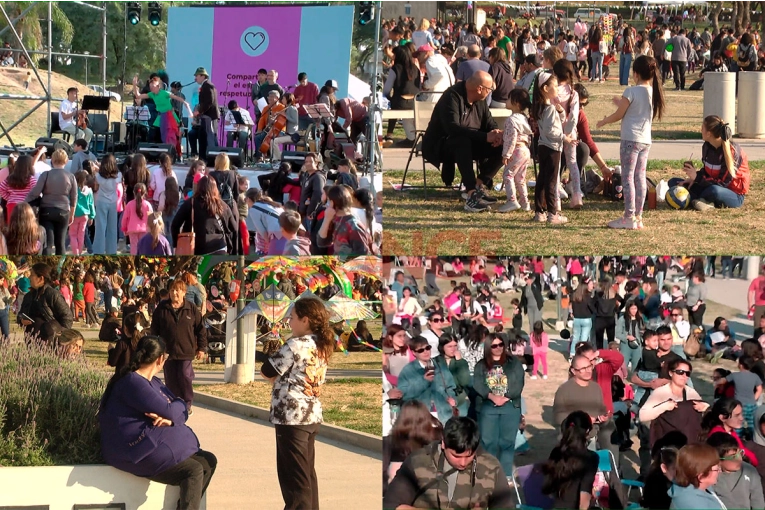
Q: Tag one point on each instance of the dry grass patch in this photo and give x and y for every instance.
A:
(349, 403)
(434, 222)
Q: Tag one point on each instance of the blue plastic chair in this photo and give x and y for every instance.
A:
(605, 459)
(530, 479)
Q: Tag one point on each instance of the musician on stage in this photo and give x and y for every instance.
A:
(237, 125)
(207, 111)
(167, 122)
(268, 117)
(70, 117)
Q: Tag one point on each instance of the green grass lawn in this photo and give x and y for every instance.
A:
(434, 222)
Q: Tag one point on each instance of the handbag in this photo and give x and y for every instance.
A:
(186, 240)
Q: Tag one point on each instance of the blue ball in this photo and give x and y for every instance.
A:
(678, 197)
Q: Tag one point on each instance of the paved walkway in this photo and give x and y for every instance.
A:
(246, 474)
(395, 159)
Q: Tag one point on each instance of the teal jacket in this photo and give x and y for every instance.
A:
(85, 205)
(513, 369)
(461, 374)
(414, 386)
(687, 498)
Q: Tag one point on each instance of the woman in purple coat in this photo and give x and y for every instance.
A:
(143, 427)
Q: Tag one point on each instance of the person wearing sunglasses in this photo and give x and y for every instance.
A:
(738, 484)
(499, 380)
(698, 467)
(680, 328)
(428, 382)
(451, 359)
(436, 325)
(667, 398)
(727, 415)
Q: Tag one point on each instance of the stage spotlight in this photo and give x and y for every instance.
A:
(155, 13)
(366, 13)
(133, 12)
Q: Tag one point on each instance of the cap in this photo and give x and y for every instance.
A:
(425, 48)
(331, 83)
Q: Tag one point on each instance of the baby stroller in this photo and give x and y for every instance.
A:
(215, 322)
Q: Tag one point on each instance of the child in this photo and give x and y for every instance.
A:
(551, 138)
(517, 315)
(89, 294)
(136, 217)
(748, 390)
(726, 390)
(515, 152)
(569, 100)
(169, 199)
(518, 347)
(289, 222)
(650, 365)
(155, 243)
(539, 345)
(340, 229)
(738, 484)
(78, 298)
(346, 174)
(495, 313)
(84, 214)
(637, 108)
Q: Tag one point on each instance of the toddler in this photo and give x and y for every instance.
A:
(650, 365)
(515, 152)
(539, 345)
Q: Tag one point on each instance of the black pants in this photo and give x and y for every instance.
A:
(678, 73)
(295, 459)
(605, 325)
(462, 152)
(665, 67)
(206, 135)
(582, 157)
(55, 222)
(193, 475)
(545, 192)
(697, 318)
(192, 136)
(358, 128)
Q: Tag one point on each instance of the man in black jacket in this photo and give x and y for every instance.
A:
(461, 131)
(207, 111)
(44, 313)
(179, 323)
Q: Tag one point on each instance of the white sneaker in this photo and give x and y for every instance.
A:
(524, 367)
(533, 378)
(544, 377)
(526, 208)
(509, 206)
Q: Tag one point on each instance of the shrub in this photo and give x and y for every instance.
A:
(48, 407)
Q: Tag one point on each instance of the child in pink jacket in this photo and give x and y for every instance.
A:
(539, 345)
(135, 219)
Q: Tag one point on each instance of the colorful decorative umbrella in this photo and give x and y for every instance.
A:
(317, 281)
(368, 266)
(346, 309)
(271, 304)
(8, 268)
(273, 262)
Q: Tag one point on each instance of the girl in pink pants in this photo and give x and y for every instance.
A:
(135, 219)
(515, 152)
(539, 346)
(84, 212)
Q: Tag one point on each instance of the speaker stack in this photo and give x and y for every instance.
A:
(295, 159)
(54, 143)
(152, 151)
(235, 155)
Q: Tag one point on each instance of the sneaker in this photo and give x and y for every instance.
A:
(576, 202)
(509, 206)
(702, 205)
(387, 142)
(716, 357)
(639, 222)
(544, 377)
(623, 223)
(533, 378)
(563, 193)
(556, 219)
(526, 208)
(485, 197)
(475, 204)
(539, 217)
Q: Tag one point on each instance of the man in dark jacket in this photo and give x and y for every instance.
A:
(43, 312)
(461, 131)
(179, 323)
(312, 182)
(207, 111)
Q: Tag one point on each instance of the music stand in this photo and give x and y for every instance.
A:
(99, 104)
(318, 113)
(134, 115)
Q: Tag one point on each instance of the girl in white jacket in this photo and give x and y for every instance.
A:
(515, 152)
(569, 100)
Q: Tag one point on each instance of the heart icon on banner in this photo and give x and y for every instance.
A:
(254, 40)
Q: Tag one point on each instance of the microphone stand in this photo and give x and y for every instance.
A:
(222, 121)
(247, 147)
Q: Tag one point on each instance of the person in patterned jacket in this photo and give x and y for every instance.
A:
(453, 473)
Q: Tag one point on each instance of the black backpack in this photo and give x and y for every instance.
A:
(223, 179)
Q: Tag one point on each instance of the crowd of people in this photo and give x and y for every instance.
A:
(470, 71)
(458, 354)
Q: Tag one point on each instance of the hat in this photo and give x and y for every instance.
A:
(331, 83)
(425, 48)
(202, 71)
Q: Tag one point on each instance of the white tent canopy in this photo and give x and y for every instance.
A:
(358, 89)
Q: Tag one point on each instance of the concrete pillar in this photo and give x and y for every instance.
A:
(753, 266)
(235, 373)
(720, 97)
(751, 88)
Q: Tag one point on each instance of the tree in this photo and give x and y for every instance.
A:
(32, 28)
(714, 15)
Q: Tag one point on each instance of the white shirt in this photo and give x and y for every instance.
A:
(158, 181)
(361, 217)
(432, 341)
(67, 107)
(571, 51)
(440, 75)
(231, 123)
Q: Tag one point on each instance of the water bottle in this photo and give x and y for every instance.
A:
(360, 144)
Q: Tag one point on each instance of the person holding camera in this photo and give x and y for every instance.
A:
(428, 382)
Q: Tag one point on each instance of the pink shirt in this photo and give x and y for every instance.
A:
(542, 347)
(758, 287)
(131, 223)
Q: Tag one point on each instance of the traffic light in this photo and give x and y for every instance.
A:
(134, 12)
(155, 13)
(366, 13)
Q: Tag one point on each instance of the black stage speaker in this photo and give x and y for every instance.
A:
(235, 155)
(54, 143)
(152, 151)
(120, 132)
(296, 159)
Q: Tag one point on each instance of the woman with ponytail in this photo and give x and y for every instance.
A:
(154, 242)
(144, 431)
(636, 109)
(297, 371)
(723, 181)
(135, 220)
(570, 471)
(134, 327)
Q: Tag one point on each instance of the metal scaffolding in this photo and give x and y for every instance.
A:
(46, 85)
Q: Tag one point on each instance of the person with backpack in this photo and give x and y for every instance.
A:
(212, 222)
(724, 179)
(262, 220)
(226, 181)
(341, 229)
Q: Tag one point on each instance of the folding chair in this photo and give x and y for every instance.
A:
(606, 463)
(531, 479)
(423, 111)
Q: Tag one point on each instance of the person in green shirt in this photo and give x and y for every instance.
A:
(504, 42)
(167, 121)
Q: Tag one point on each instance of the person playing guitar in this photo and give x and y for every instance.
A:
(71, 119)
(268, 119)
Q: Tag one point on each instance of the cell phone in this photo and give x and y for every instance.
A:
(26, 317)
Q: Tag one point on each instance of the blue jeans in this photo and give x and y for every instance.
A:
(631, 356)
(597, 66)
(660, 280)
(718, 195)
(727, 267)
(499, 433)
(582, 328)
(105, 242)
(5, 327)
(625, 62)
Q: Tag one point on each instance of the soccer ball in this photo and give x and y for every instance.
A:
(678, 197)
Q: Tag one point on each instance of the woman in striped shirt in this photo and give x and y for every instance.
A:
(18, 184)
